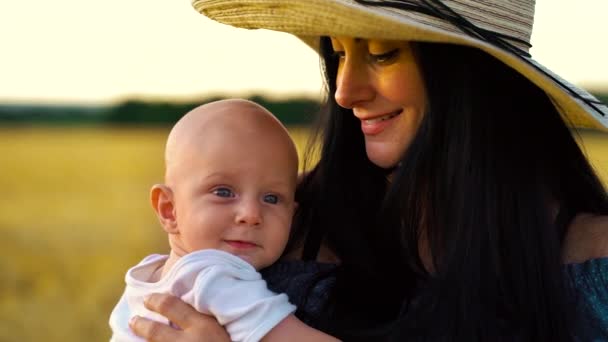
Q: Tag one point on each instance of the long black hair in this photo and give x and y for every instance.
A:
(491, 182)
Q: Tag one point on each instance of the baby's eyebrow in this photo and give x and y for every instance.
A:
(220, 174)
(281, 186)
(215, 177)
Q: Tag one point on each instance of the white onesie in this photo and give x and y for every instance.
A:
(213, 282)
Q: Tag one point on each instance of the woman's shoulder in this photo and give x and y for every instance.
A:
(586, 239)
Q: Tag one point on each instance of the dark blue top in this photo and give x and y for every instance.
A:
(590, 282)
(295, 278)
(588, 279)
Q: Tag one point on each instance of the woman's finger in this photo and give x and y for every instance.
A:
(176, 310)
(193, 325)
(153, 331)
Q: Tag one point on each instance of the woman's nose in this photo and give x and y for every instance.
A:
(352, 84)
(249, 213)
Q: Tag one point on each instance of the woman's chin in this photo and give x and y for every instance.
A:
(384, 163)
(386, 154)
(382, 159)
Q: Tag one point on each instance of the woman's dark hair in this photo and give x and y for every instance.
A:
(491, 181)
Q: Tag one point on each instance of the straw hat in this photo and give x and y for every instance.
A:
(501, 28)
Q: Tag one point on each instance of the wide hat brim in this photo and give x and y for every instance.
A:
(310, 19)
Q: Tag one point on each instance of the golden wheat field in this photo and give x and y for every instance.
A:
(74, 215)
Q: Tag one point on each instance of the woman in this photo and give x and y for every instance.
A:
(451, 198)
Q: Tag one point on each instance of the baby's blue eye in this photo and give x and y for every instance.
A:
(223, 192)
(272, 199)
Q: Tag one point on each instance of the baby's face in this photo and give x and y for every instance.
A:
(235, 192)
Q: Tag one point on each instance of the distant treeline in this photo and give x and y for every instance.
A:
(294, 111)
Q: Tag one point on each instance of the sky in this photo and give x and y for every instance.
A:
(86, 52)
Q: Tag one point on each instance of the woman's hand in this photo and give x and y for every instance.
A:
(194, 325)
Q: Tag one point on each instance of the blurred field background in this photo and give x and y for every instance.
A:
(74, 215)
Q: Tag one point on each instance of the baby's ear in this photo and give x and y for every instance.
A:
(161, 197)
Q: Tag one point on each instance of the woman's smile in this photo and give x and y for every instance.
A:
(373, 125)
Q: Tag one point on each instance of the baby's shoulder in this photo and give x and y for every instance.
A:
(587, 238)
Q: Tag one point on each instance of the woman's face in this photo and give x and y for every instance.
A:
(381, 82)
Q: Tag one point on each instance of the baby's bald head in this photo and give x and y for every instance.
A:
(230, 165)
(231, 121)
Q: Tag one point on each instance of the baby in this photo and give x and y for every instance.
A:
(226, 205)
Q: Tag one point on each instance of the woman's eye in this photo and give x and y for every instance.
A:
(272, 199)
(384, 57)
(223, 192)
(339, 54)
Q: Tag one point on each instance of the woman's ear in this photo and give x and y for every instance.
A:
(161, 197)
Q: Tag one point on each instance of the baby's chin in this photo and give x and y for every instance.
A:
(250, 260)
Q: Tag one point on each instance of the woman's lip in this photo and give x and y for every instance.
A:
(377, 124)
(238, 244)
